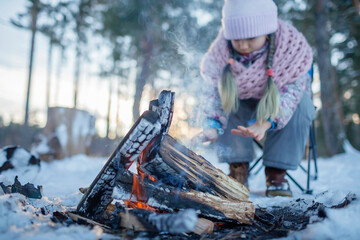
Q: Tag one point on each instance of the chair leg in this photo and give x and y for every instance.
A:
(256, 163)
(308, 173)
(258, 160)
(313, 148)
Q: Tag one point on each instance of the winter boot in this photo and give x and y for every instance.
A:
(240, 171)
(276, 184)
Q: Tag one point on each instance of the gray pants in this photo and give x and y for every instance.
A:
(283, 148)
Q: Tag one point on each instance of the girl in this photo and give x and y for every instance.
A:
(257, 84)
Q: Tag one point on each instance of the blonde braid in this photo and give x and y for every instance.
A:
(227, 86)
(269, 105)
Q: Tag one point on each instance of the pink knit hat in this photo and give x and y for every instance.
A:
(248, 18)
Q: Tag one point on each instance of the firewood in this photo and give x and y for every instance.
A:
(178, 166)
(167, 198)
(201, 173)
(242, 211)
(176, 169)
(98, 196)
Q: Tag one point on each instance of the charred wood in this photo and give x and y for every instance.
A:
(169, 199)
(27, 190)
(98, 196)
(164, 106)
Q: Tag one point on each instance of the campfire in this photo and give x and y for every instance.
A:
(175, 189)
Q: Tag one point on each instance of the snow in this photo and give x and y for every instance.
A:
(42, 147)
(20, 158)
(337, 176)
(21, 217)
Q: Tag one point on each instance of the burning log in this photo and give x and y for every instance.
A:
(169, 199)
(180, 167)
(98, 196)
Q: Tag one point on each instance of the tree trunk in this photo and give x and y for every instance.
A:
(118, 107)
(49, 68)
(109, 109)
(333, 127)
(143, 76)
(357, 7)
(58, 75)
(34, 14)
(77, 73)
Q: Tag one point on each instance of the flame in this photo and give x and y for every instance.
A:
(139, 192)
(142, 159)
(138, 188)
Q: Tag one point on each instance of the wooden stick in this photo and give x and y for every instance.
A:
(77, 218)
(238, 210)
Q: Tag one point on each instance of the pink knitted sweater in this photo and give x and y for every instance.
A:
(292, 59)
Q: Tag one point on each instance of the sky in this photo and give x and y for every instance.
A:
(14, 61)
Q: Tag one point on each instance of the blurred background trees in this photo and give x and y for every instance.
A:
(143, 46)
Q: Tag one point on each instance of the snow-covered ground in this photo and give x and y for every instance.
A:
(21, 218)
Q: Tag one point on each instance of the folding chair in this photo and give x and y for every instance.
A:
(311, 154)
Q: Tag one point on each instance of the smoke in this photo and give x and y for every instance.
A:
(189, 47)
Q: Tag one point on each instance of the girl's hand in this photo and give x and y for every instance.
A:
(257, 130)
(208, 135)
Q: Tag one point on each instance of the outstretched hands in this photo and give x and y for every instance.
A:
(257, 130)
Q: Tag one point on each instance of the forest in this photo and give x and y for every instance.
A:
(141, 47)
